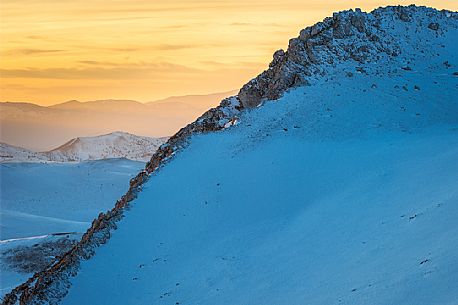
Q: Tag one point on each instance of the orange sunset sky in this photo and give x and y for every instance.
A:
(57, 50)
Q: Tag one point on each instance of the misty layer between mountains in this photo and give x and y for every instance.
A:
(41, 128)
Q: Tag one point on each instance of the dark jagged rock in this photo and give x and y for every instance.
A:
(347, 35)
(434, 26)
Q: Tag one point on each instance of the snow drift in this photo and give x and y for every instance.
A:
(342, 191)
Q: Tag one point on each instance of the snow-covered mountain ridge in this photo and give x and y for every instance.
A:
(343, 191)
(113, 145)
(384, 41)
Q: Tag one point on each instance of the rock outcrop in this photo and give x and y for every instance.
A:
(348, 35)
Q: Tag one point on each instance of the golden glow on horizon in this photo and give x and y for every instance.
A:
(52, 51)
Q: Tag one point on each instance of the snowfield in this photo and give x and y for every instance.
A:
(342, 191)
(288, 221)
(39, 200)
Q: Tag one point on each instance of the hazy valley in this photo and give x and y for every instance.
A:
(40, 128)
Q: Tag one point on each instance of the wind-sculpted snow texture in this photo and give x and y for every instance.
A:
(341, 192)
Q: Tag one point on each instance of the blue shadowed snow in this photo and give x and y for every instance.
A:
(43, 198)
(40, 199)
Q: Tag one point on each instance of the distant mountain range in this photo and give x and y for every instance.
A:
(42, 128)
(113, 145)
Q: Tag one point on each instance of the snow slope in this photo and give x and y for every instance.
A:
(342, 191)
(288, 221)
(39, 200)
(113, 145)
(19, 154)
